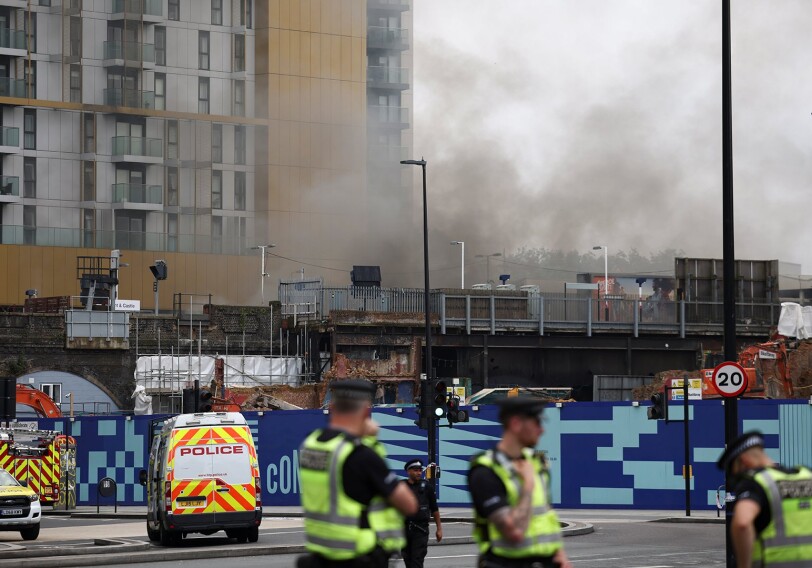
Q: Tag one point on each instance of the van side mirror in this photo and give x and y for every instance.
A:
(142, 477)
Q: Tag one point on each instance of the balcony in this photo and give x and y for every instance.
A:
(137, 196)
(389, 5)
(9, 140)
(13, 88)
(71, 7)
(397, 117)
(137, 150)
(387, 38)
(116, 53)
(386, 156)
(151, 10)
(129, 98)
(388, 78)
(12, 42)
(9, 189)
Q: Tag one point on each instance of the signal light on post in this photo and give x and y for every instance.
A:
(204, 402)
(657, 409)
(455, 414)
(440, 407)
(420, 409)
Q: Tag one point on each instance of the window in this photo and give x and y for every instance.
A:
(239, 52)
(160, 45)
(217, 189)
(203, 95)
(88, 133)
(75, 46)
(30, 25)
(217, 143)
(239, 144)
(30, 78)
(172, 139)
(160, 91)
(172, 187)
(217, 12)
(217, 234)
(203, 48)
(174, 10)
(88, 181)
(75, 84)
(29, 177)
(172, 232)
(29, 224)
(239, 98)
(249, 13)
(30, 129)
(88, 228)
(239, 191)
(45, 3)
(54, 390)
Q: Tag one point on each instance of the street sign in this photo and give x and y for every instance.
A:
(694, 389)
(729, 379)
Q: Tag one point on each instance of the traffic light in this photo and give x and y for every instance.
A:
(455, 414)
(440, 406)
(204, 401)
(422, 421)
(657, 409)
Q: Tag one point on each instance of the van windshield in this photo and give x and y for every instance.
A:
(229, 462)
(7, 480)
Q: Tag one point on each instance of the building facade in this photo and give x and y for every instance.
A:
(192, 131)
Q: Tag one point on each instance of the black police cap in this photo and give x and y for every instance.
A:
(746, 441)
(413, 463)
(353, 388)
(515, 406)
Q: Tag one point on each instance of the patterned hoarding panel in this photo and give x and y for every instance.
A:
(602, 455)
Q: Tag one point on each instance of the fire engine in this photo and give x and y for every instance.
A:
(44, 460)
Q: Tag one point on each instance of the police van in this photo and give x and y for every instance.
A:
(203, 477)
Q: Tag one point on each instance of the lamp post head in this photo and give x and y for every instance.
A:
(457, 242)
(420, 162)
(599, 247)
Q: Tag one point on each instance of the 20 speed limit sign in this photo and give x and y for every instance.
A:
(729, 379)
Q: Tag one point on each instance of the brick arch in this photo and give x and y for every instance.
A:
(78, 372)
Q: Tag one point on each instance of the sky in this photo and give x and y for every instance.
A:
(567, 124)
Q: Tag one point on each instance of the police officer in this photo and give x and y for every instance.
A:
(772, 514)
(516, 526)
(342, 479)
(417, 526)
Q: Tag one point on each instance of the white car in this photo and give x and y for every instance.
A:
(19, 507)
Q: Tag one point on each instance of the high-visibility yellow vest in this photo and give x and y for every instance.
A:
(332, 520)
(543, 536)
(787, 541)
(384, 519)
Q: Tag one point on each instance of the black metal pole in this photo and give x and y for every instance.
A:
(728, 254)
(197, 396)
(432, 421)
(687, 441)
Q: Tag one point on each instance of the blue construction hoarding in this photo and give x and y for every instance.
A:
(602, 454)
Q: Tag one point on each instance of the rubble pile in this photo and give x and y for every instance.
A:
(644, 392)
(800, 369)
(262, 397)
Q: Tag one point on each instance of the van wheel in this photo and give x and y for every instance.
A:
(168, 538)
(153, 535)
(253, 534)
(30, 533)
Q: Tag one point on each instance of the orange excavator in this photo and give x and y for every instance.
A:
(42, 404)
(766, 367)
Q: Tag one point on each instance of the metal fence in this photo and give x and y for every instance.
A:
(513, 311)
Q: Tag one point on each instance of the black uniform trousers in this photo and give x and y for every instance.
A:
(417, 544)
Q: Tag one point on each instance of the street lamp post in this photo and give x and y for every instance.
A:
(605, 278)
(262, 273)
(462, 262)
(487, 258)
(432, 420)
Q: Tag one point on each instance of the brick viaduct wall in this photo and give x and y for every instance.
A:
(36, 342)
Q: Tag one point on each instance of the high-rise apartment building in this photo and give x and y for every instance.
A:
(193, 130)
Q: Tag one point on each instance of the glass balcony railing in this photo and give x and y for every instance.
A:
(133, 146)
(389, 115)
(388, 75)
(12, 87)
(396, 4)
(145, 7)
(387, 37)
(9, 136)
(387, 154)
(12, 39)
(10, 186)
(129, 98)
(137, 193)
(129, 51)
